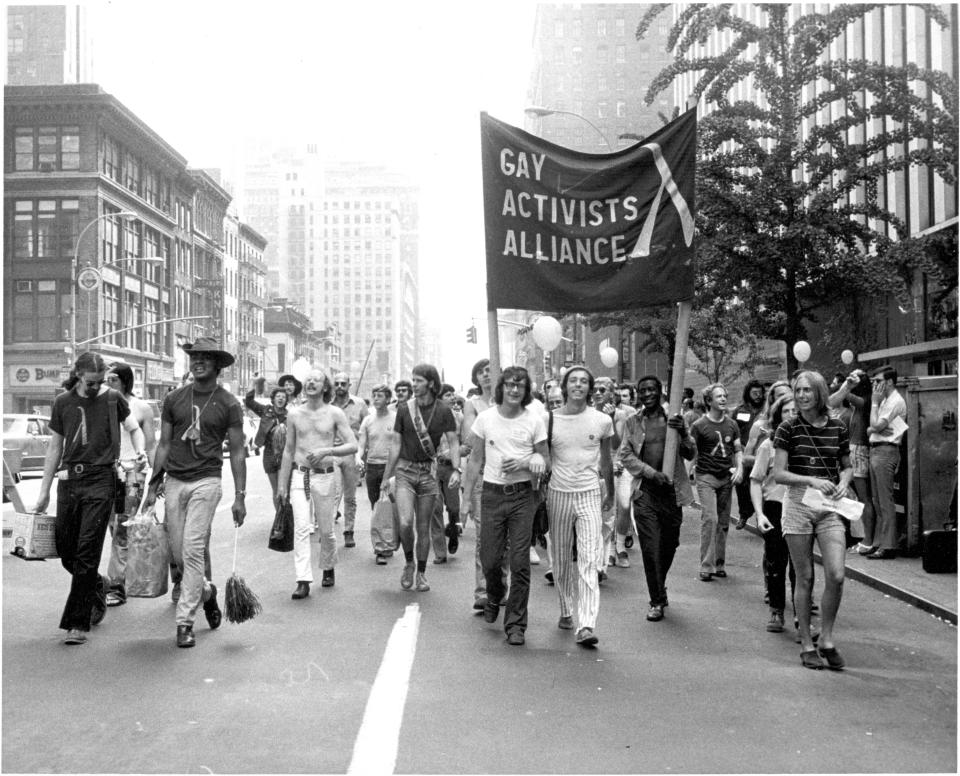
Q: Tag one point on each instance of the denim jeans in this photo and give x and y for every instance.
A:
(776, 557)
(658, 518)
(714, 495)
(374, 479)
(190, 507)
(83, 511)
(507, 526)
(350, 478)
(449, 497)
(884, 463)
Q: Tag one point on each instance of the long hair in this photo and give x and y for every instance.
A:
(566, 377)
(125, 374)
(477, 368)
(513, 373)
(749, 387)
(775, 413)
(429, 373)
(819, 386)
(87, 362)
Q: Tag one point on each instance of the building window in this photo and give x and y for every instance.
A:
(621, 109)
(110, 157)
(577, 55)
(577, 81)
(621, 53)
(45, 228)
(601, 83)
(37, 314)
(621, 26)
(558, 28)
(621, 83)
(602, 53)
(576, 28)
(46, 149)
(558, 55)
(601, 27)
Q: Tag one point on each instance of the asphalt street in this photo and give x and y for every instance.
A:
(707, 690)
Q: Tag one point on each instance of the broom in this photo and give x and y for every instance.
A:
(240, 602)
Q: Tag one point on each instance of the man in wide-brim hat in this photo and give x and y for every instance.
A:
(291, 384)
(193, 424)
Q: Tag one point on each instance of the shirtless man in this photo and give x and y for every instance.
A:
(310, 449)
(373, 451)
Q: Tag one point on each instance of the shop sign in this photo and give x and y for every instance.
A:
(33, 375)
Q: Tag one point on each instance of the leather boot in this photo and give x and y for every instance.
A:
(302, 591)
(185, 637)
(327, 578)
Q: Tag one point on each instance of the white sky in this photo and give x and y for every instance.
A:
(402, 83)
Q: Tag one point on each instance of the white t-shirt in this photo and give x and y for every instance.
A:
(508, 438)
(127, 451)
(892, 407)
(575, 449)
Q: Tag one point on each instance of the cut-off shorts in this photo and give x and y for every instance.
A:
(799, 519)
(860, 460)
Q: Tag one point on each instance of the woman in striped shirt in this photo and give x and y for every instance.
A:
(813, 451)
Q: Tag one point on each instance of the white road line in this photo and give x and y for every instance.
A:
(375, 750)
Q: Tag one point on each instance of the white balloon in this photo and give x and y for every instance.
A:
(547, 332)
(847, 357)
(801, 351)
(300, 368)
(355, 367)
(609, 357)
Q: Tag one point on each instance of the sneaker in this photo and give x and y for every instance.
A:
(623, 561)
(422, 586)
(775, 624)
(586, 637)
(211, 610)
(406, 578)
(655, 614)
(75, 636)
(114, 599)
(534, 558)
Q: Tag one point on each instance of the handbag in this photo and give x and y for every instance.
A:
(845, 508)
(148, 556)
(281, 532)
(541, 518)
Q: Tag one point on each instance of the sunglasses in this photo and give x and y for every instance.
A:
(600, 389)
(513, 384)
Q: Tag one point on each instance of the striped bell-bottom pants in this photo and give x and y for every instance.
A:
(570, 513)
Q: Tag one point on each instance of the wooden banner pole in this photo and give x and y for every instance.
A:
(676, 385)
(493, 330)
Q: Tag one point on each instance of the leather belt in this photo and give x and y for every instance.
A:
(325, 470)
(881, 444)
(509, 489)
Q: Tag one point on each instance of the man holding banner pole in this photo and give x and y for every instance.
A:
(568, 231)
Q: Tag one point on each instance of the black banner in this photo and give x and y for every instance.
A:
(573, 232)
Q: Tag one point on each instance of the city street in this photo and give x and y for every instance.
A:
(705, 690)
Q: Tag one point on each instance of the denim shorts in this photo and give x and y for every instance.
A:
(800, 519)
(860, 460)
(418, 477)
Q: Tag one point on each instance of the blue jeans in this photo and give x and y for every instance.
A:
(507, 525)
(714, 495)
(84, 507)
(190, 507)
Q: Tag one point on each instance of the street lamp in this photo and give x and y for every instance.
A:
(75, 268)
(538, 111)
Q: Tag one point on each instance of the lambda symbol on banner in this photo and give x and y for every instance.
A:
(642, 248)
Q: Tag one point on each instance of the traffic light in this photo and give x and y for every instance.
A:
(472, 334)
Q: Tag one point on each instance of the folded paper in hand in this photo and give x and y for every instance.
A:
(845, 507)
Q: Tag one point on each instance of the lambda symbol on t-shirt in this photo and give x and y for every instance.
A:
(719, 450)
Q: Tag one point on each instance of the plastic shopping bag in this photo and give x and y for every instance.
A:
(385, 526)
(148, 556)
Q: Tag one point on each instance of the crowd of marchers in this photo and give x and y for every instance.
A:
(585, 452)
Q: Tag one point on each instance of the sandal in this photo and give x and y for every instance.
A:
(834, 660)
(811, 659)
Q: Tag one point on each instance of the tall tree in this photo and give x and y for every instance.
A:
(789, 213)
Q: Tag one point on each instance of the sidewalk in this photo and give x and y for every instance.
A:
(902, 578)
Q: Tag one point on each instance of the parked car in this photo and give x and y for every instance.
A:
(31, 435)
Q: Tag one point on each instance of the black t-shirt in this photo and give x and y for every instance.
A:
(745, 415)
(84, 424)
(438, 419)
(193, 459)
(716, 448)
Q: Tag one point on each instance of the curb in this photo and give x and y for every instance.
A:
(887, 588)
